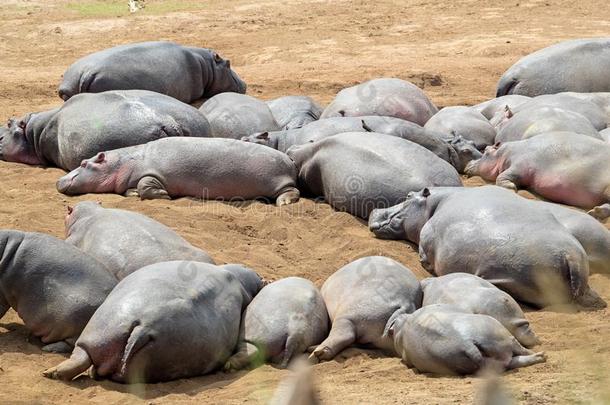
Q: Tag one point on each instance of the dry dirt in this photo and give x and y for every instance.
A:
(312, 47)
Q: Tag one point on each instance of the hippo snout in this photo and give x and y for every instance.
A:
(470, 168)
(64, 183)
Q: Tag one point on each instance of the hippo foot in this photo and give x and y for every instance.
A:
(78, 363)
(600, 212)
(506, 184)
(288, 197)
(321, 353)
(57, 347)
(132, 192)
(150, 188)
(527, 360)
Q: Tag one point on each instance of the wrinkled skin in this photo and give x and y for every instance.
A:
(234, 115)
(278, 333)
(165, 321)
(465, 122)
(363, 298)
(438, 339)
(358, 172)
(491, 107)
(91, 123)
(292, 112)
(386, 97)
(471, 294)
(495, 234)
(54, 287)
(181, 72)
(561, 167)
(126, 241)
(579, 65)
(208, 168)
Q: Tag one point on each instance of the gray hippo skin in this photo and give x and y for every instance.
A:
(91, 123)
(363, 298)
(465, 122)
(491, 107)
(438, 339)
(54, 287)
(580, 65)
(358, 172)
(495, 234)
(188, 167)
(605, 134)
(126, 241)
(561, 167)
(181, 72)
(471, 294)
(165, 321)
(282, 321)
(234, 115)
(292, 112)
(387, 97)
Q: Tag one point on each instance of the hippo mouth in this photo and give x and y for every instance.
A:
(64, 184)
(470, 168)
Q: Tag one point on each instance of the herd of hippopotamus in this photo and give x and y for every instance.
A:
(135, 302)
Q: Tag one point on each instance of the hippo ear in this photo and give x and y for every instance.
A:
(263, 135)
(341, 113)
(217, 57)
(70, 209)
(497, 145)
(100, 157)
(508, 113)
(426, 192)
(22, 124)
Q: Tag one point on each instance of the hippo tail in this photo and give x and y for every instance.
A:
(578, 273)
(506, 86)
(138, 338)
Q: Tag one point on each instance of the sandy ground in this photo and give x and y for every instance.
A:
(454, 50)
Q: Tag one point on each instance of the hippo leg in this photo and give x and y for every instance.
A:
(150, 188)
(131, 192)
(58, 347)
(287, 196)
(78, 363)
(508, 179)
(601, 212)
(246, 355)
(523, 357)
(342, 335)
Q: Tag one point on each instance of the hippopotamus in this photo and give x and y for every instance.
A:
(184, 73)
(491, 107)
(126, 241)
(465, 122)
(280, 332)
(358, 172)
(471, 294)
(207, 168)
(602, 99)
(91, 123)
(363, 299)
(439, 339)
(559, 166)
(388, 97)
(166, 321)
(54, 287)
(579, 65)
(495, 234)
(292, 112)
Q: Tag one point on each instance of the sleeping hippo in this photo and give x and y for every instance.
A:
(234, 115)
(441, 340)
(207, 168)
(181, 72)
(292, 112)
(126, 241)
(282, 321)
(388, 97)
(579, 65)
(465, 122)
(560, 166)
(495, 234)
(91, 123)
(358, 172)
(54, 287)
(602, 99)
(471, 294)
(491, 107)
(388, 288)
(165, 321)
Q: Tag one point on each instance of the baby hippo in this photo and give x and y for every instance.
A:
(188, 167)
(363, 299)
(465, 122)
(282, 321)
(471, 294)
(165, 321)
(438, 339)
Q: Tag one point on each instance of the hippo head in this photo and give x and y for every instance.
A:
(466, 152)
(94, 175)
(261, 138)
(15, 146)
(487, 166)
(249, 279)
(225, 79)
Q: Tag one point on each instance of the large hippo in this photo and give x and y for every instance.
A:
(165, 321)
(441, 340)
(181, 72)
(234, 115)
(387, 97)
(560, 166)
(282, 321)
(465, 122)
(91, 123)
(471, 294)
(126, 241)
(363, 299)
(491, 107)
(358, 172)
(54, 287)
(207, 168)
(292, 112)
(495, 234)
(579, 65)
